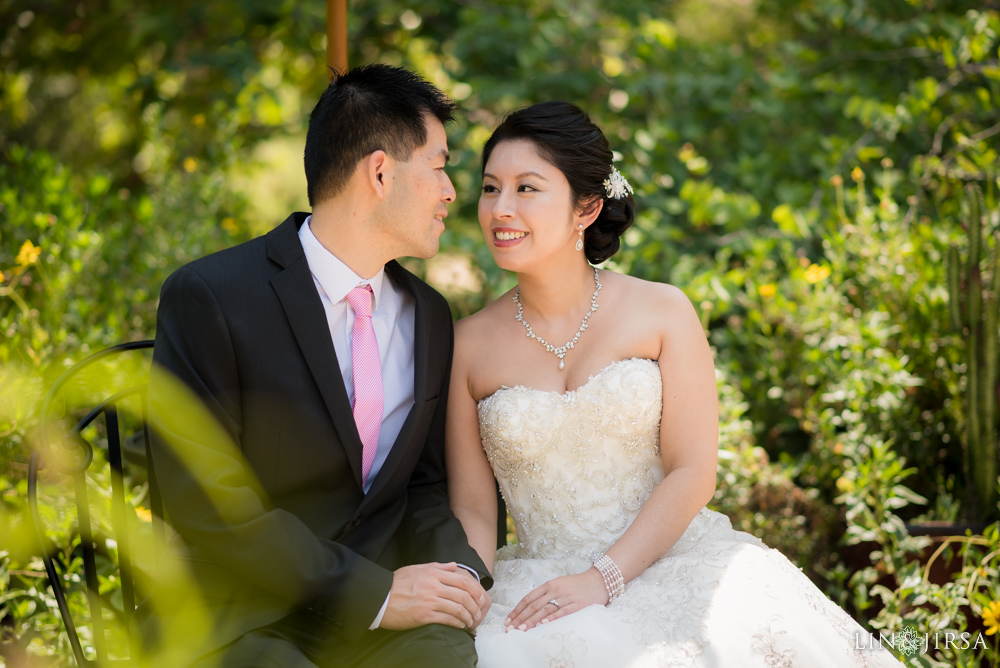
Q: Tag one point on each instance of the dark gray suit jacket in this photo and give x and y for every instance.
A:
(270, 509)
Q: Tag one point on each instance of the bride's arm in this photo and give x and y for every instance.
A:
(689, 442)
(689, 437)
(471, 485)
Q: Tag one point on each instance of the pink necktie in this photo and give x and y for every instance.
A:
(367, 373)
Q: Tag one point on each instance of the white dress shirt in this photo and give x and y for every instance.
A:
(394, 320)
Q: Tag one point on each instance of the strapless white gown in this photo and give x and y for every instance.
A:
(575, 469)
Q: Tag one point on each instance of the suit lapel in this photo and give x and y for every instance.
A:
(421, 324)
(297, 293)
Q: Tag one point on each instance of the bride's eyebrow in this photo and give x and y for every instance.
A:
(487, 175)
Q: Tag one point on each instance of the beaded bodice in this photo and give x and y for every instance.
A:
(575, 468)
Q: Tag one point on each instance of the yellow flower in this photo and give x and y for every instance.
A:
(28, 254)
(857, 175)
(144, 514)
(766, 290)
(229, 225)
(991, 617)
(190, 164)
(815, 273)
(836, 180)
(2, 277)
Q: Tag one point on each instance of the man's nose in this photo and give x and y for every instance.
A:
(448, 191)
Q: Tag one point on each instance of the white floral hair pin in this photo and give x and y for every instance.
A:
(616, 186)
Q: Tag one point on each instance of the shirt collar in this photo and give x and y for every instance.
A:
(334, 277)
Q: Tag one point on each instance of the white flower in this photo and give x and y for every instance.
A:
(616, 186)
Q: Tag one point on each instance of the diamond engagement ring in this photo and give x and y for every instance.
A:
(555, 603)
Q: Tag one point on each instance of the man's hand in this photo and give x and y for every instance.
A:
(487, 604)
(434, 594)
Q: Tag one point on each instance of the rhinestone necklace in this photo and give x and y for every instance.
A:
(561, 351)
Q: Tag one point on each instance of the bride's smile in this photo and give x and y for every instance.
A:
(504, 237)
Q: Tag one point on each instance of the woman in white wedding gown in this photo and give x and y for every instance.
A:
(605, 447)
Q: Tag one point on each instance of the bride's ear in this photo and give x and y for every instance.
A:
(589, 212)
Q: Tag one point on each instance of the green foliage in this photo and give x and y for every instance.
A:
(762, 497)
(899, 583)
(851, 345)
(82, 265)
(981, 340)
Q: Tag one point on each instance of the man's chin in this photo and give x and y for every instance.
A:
(433, 246)
(426, 252)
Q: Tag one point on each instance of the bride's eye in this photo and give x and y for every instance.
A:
(489, 188)
(525, 188)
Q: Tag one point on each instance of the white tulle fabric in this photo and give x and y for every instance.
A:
(575, 469)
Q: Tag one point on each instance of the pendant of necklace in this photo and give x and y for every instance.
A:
(560, 351)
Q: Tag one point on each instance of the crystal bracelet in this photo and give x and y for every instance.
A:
(613, 580)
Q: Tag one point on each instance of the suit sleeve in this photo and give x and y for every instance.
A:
(210, 493)
(430, 531)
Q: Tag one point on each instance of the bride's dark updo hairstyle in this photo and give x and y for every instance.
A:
(567, 139)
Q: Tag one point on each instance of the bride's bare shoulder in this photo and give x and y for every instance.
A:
(648, 295)
(658, 315)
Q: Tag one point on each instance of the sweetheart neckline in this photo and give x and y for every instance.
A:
(567, 393)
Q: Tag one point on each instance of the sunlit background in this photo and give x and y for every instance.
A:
(819, 177)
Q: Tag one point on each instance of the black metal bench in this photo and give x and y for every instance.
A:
(73, 442)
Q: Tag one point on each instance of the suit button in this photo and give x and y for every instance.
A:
(356, 521)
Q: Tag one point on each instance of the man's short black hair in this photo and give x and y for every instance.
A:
(366, 109)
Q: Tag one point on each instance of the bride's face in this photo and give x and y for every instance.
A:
(526, 207)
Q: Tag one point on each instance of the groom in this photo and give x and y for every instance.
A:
(317, 519)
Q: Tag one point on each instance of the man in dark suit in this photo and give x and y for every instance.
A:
(313, 511)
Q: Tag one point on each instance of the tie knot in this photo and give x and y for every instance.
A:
(360, 299)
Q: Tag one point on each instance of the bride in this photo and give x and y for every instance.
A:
(605, 447)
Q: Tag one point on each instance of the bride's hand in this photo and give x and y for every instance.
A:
(571, 592)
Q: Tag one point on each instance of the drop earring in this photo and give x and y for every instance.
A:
(579, 242)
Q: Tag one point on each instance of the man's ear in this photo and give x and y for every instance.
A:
(376, 167)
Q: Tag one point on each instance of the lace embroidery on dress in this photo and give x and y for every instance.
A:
(570, 648)
(594, 476)
(765, 641)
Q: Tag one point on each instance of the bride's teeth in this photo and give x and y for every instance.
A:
(508, 236)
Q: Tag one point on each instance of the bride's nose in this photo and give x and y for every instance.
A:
(503, 206)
